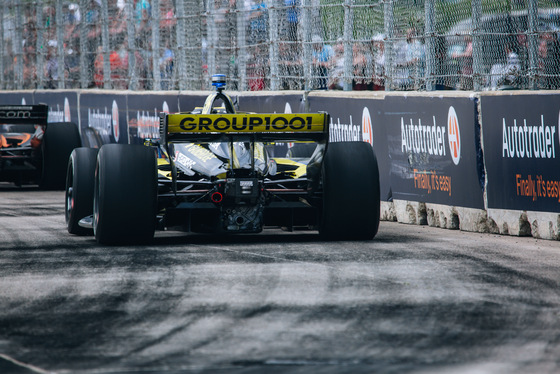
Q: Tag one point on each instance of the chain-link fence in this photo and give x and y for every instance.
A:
(280, 44)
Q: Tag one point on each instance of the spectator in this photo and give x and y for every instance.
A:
(29, 41)
(118, 23)
(29, 66)
(441, 64)
(322, 60)
(360, 64)
(291, 68)
(93, 23)
(118, 60)
(166, 67)
(506, 75)
(292, 19)
(410, 69)
(522, 51)
(549, 53)
(379, 62)
(258, 22)
(256, 69)
(72, 46)
(51, 67)
(336, 77)
(144, 44)
(401, 77)
(465, 59)
(168, 19)
(143, 11)
(98, 68)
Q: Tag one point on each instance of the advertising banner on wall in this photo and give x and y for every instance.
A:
(270, 103)
(103, 118)
(143, 115)
(189, 101)
(357, 119)
(434, 150)
(16, 98)
(522, 151)
(63, 105)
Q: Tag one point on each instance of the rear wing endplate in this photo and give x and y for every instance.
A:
(24, 114)
(189, 127)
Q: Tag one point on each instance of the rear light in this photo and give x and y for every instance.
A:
(217, 197)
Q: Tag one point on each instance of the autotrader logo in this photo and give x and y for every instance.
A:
(454, 135)
(367, 131)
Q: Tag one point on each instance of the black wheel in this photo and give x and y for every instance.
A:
(80, 179)
(125, 194)
(59, 140)
(350, 192)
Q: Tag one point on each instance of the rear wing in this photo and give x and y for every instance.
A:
(260, 127)
(24, 114)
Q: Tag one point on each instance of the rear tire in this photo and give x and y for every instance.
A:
(351, 203)
(125, 194)
(80, 180)
(59, 140)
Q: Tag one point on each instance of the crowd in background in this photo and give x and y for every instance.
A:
(132, 58)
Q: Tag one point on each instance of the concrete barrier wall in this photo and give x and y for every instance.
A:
(483, 162)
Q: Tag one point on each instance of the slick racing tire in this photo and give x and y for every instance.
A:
(350, 192)
(59, 140)
(80, 179)
(125, 194)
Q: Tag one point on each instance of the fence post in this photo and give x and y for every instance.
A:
(348, 67)
(2, 49)
(105, 45)
(131, 44)
(40, 46)
(306, 25)
(156, 51)
(477, 45)
(212, 37)
(180, 52)
(533, 9)
(60, 53)
(84, 71)
(17, 45)
(241, 47)
(430, 36)
(273, 47)
(389, 26)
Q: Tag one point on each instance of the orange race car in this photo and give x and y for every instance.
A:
(33, 151)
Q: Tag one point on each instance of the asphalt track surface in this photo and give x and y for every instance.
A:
(414, 300)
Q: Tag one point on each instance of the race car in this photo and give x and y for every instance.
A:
(33, 151)
(219, 171)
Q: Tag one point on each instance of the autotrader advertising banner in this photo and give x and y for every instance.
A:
(358, 119)
(522, 151)
(433, 150)
(63, 105)
(271, 103)
(104, 116)
(143, 115)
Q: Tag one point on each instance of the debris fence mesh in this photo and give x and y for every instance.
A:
(392, 45)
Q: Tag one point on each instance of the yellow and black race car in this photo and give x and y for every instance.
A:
(216, 170)
(33, 151)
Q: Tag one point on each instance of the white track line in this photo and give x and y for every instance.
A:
(27, 366)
